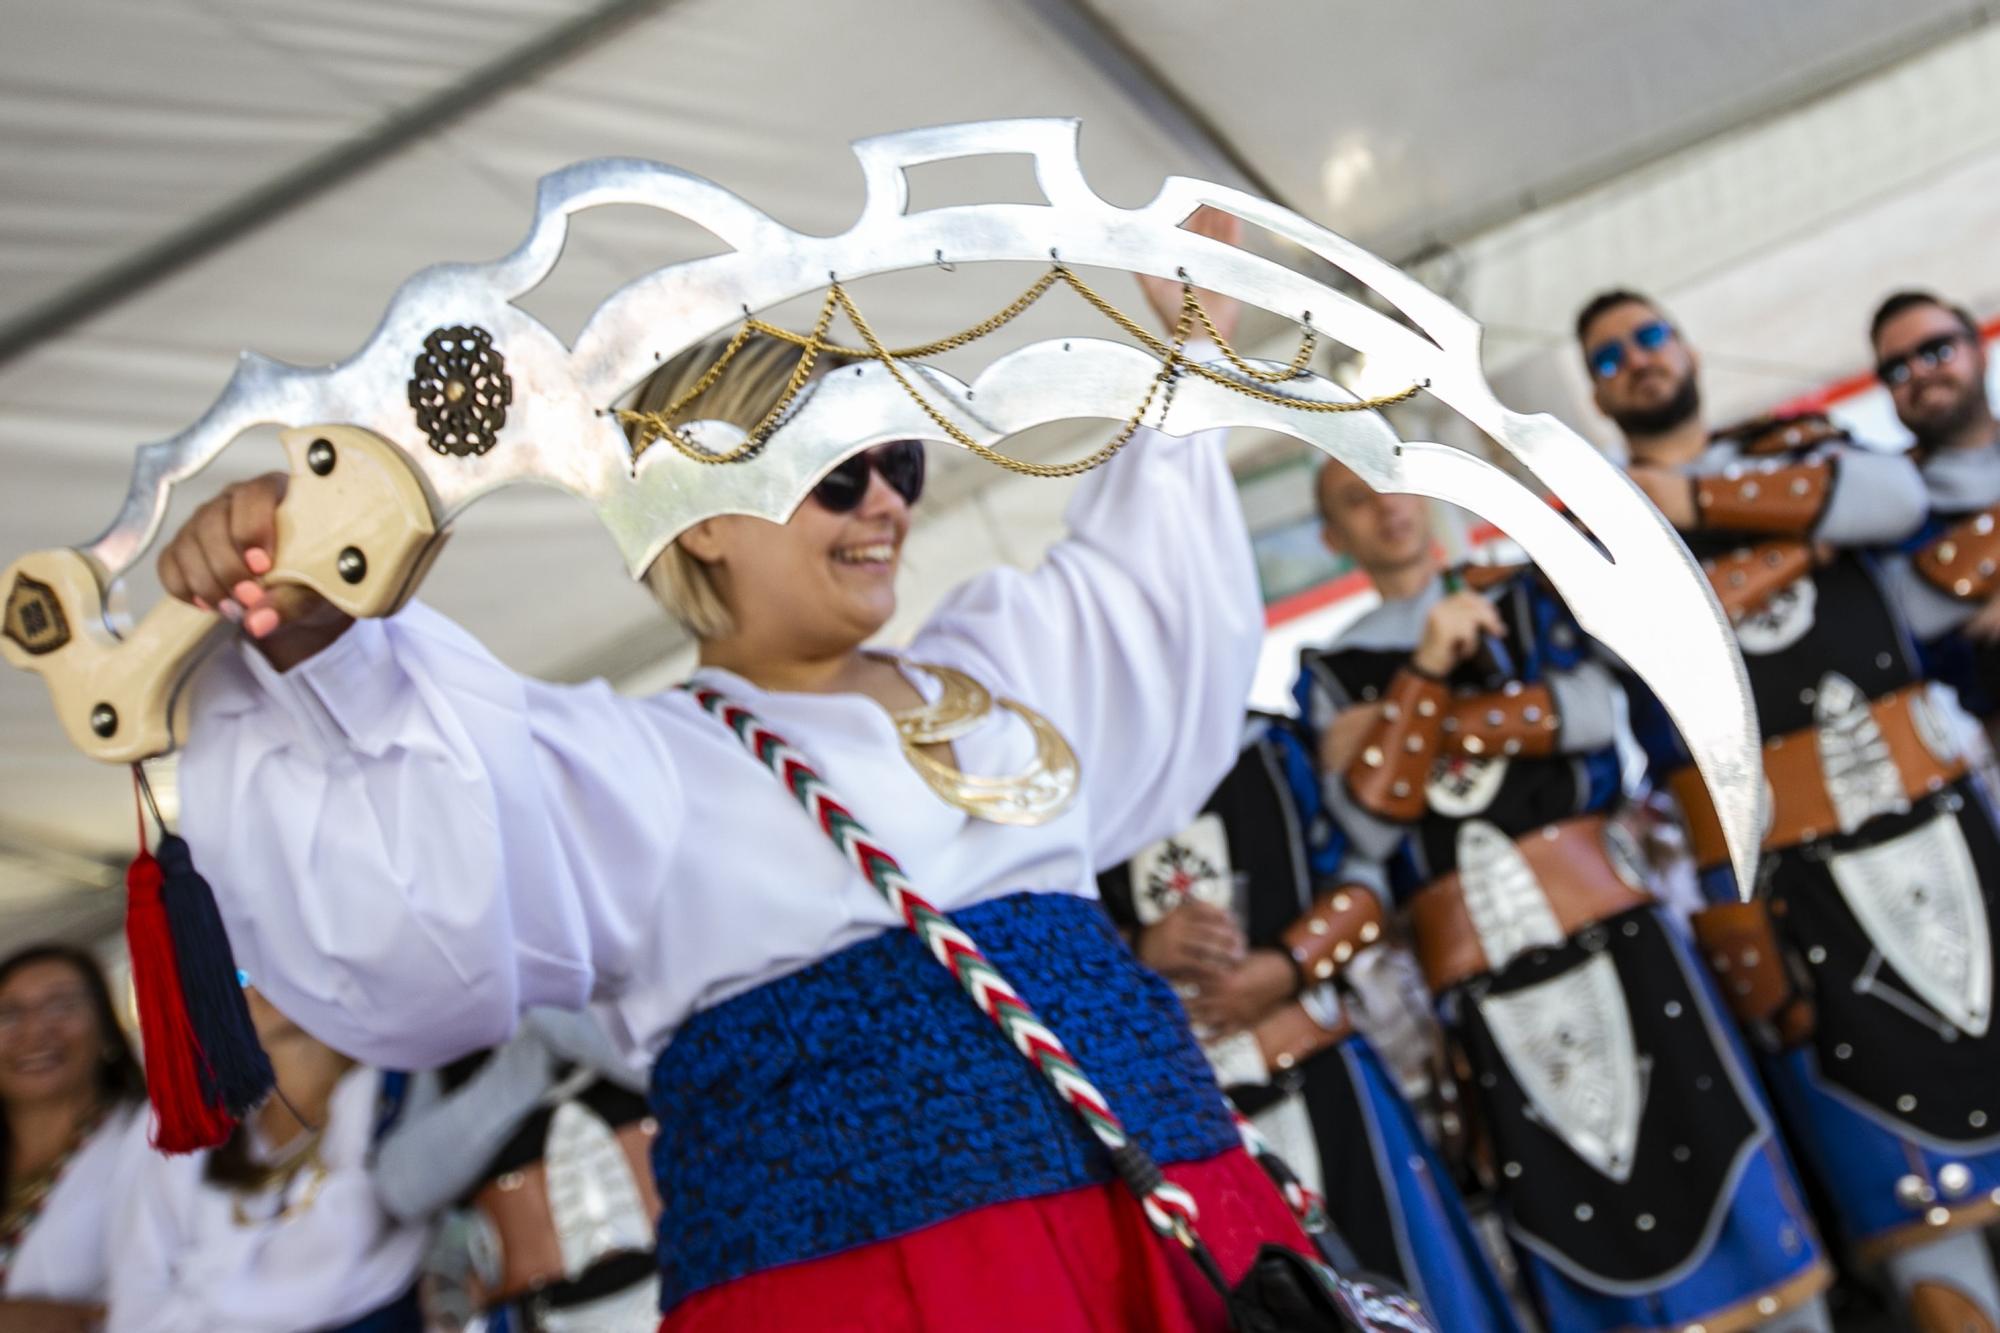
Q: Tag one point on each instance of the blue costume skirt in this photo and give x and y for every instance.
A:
(1889, 1189)
(1442, 1260)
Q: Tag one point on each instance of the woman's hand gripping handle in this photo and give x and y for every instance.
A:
(291, 560)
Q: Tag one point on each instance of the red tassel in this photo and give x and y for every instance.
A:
(183, 1120)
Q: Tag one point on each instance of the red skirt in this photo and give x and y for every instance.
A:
(1083, 1261)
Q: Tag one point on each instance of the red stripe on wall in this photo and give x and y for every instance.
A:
(1820, 399)
(1305, 602)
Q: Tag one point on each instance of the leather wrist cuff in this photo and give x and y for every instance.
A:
(1340, 925)
(1519, 719)
(1784, 435)
(1742, 951)
(1387, 777)
(1783, 501)
(1804, 807)
(1964, 561)
(1746, 579)
(1289, 1036)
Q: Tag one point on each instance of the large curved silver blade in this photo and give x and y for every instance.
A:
(1642, 594)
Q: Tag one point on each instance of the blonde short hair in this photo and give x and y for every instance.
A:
(748, 387)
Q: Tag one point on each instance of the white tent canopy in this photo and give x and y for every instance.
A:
(180, 179)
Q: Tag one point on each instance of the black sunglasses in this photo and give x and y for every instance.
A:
(1932, 352)
(1608, 357)
(901, 463)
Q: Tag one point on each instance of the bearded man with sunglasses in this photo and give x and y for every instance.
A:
(1864, 965)
(1929, 357)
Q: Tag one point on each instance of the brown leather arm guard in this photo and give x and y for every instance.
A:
(1964, 562)
(1387, 777)
(1485, 578)
(1341, 924)
(1742, 951)
(1520, 719)
(1744, 580)
(1763, 436)
(1785, 501)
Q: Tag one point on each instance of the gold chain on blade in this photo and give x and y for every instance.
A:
(1021, 465)
(659, 424)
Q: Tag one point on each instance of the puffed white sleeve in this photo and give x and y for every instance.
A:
(1138, 635)
(1876, 498)
(411, 843)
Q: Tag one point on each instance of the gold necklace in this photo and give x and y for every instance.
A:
(962, 704)
(303, 1160)
(1035, 795)
(26, 1195)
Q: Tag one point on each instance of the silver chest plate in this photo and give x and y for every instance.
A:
(1780, 622)
(1568, 1041)
(1509, 908)
(596, 1202)
(1461, 786)
(1861, 775)
(1917, 895)
(1193, 864)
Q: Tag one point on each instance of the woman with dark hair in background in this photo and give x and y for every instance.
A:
(69, 1088)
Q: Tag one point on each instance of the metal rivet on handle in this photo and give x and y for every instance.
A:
(352, 565)
(320, 457)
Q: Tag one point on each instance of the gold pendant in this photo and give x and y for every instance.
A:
(277, 1183)
(962, 704)
(1035, 795)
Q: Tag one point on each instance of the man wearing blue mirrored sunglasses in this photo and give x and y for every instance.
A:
(1863, 967)
(1610, 356)
(1647, 380)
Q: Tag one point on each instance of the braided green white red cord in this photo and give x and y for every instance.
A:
(1307, 1206)
(1168, 1207)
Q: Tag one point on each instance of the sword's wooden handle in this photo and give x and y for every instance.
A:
(355, 527)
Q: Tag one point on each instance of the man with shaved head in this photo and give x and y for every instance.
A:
(1863, 967)
(1465, 733)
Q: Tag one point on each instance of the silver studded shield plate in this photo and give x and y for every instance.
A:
(592, 1193)
(1861, 775)
(1568, 1041)
(1508, 906)
(1917, 895)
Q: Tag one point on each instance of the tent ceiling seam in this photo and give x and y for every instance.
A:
(1100, 43)
(263, 203)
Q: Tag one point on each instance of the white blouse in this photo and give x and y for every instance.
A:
(195, 1257)
(412, 843)
(65, 1255)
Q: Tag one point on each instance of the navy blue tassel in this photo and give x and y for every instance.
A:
(235, 1072)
